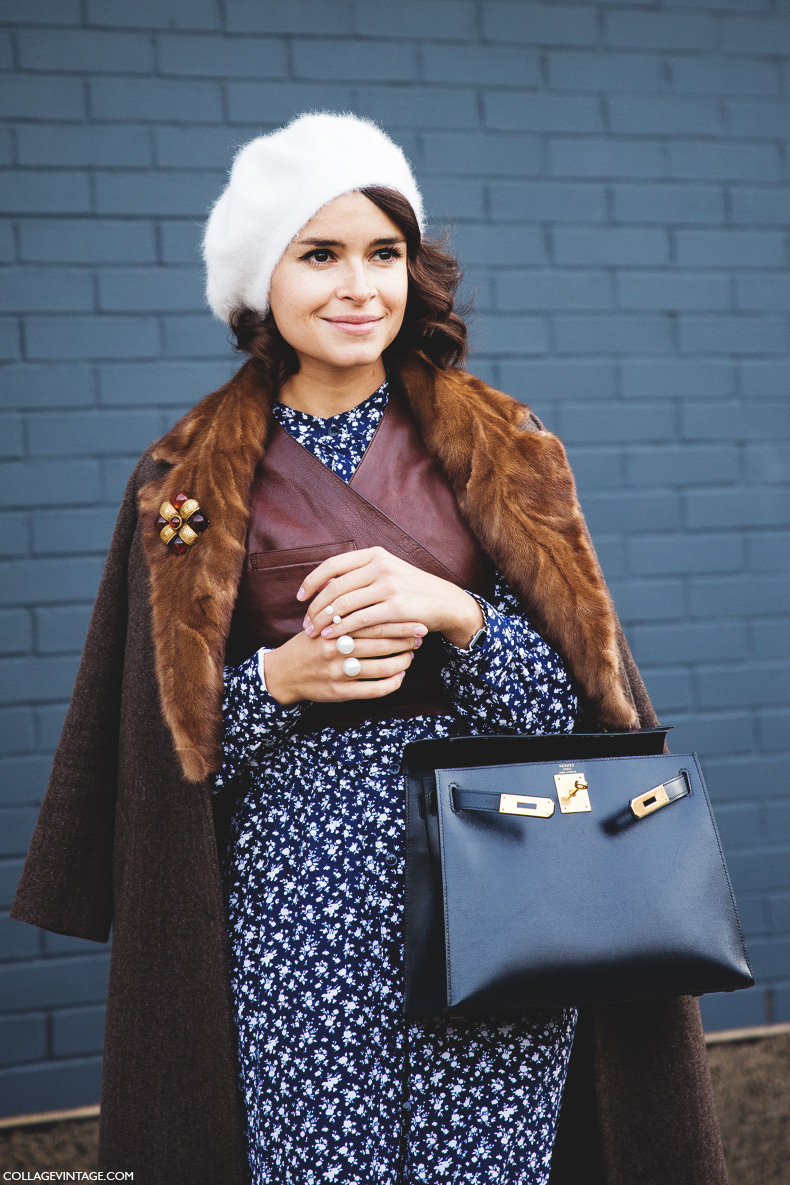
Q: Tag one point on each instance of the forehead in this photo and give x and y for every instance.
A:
(350, 217)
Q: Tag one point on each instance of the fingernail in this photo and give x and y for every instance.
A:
(309, 628)
(326, 632)
(305, 622)
(417, 643)
(421, 630)
(402, 675)
(300, 594)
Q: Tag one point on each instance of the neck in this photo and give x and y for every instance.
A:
(322, 390)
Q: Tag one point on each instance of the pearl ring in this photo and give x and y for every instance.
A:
(345, 644)
(352, 667)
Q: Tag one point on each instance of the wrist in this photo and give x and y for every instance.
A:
(466, 622)
(275, 680)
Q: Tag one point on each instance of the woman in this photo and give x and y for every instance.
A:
(384, 549)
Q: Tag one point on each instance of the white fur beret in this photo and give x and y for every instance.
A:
(277, 183)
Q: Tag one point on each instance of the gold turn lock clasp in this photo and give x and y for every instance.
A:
(572, 790)
(519, 804)
(651, 800)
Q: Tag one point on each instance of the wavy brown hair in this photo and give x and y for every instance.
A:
(431, 322)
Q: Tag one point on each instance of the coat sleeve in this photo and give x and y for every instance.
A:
(66, 882)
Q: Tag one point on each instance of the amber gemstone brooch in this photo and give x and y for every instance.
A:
(181, 523)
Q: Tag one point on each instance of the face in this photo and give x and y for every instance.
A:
(339, 292)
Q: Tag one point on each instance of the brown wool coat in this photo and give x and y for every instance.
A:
(126, 835)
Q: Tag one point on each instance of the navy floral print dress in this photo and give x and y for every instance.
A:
(338, 1086)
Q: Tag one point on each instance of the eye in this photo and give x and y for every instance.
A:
(388, 254)
(318, 256)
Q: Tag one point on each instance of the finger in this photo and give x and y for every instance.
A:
(331, 600)
(391, 629)
(336, 565)
(376, 647)
(350, 689)
(370, 615)
(383, 667)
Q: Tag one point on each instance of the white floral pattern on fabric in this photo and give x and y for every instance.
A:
(338, 1086)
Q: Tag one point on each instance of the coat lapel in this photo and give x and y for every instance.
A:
(513, 486)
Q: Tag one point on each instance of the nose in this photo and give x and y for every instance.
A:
(355, 282)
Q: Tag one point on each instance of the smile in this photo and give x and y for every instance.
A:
(354, 327)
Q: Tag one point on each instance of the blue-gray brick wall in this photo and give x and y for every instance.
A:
(614, 175)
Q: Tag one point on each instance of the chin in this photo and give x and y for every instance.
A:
(354, 354)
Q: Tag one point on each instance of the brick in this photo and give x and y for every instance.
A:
(547, 201)
(78, 1031)
(480, 64)
(41, 191)
(188, 194)
(162, 100)
(195, 337)
(654, 555)
(84, 51)
(534, 380)
(16, 730)
(770, 638)
(759, 118)
(16, 635)
(509, 334)
(136, 290)
(23, 96)
(672, 290)
(447, 20)
(492, 245)
(682, 465)
(155, 14)
(662, 115)
(753, 914)
(45, 289)
(17, 941)
(9, 340)
(613, 334)
(669, 690)
(84, 145)
(610, 554)
(768, 462)
(53, 982)
(279, 102)
(61, 338)
(51, 1086)
(115, 470)
(738, 507)
(9, 875)
(610, 245)
(659, 30)
(24, 779)
(607, 423)
(648, 600)
(593, 156)
(733, 778)
(769, 551)
(71, 578)
(66, 944)
(16, 829)
(760, 379)
(198, 148)
(770, 957)
(222, 57)
(724, 160)
(553, 289)
(733, 335)
(74, 531)
(538, 24)
(724, 76)
(453, 198)
(596, 468)
(654, 511)
(61, 629)
(768, 35)
(727, 421)
(22, 1039)
(87, 240)
(43, 12)
(290, 16)
(11, 437)
(93, 433)
(668, 203)
(423, 106)
(49, 725)
(762, 292)
(8, 251)
(541, 112)
(27, 385)
(162, 383)
(589, 71)
(688, 643)
(733, 1010)
(14, 535)
(739, 596)
(779, 912)
(6, 147)
(764, 206)
(486, 154)
(180, 242)
(386, 61)
(27, 483)
(713, 732)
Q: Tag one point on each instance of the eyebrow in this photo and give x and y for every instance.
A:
(386, 242)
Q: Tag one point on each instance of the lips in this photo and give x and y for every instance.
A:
(353, 324)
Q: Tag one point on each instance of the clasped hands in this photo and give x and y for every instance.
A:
(387, 606)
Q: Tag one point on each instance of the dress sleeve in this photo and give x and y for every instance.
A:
(254, 722)
(514, 682)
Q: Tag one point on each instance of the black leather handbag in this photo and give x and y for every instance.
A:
(562, 869)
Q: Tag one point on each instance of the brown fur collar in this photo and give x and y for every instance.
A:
(514, 488)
